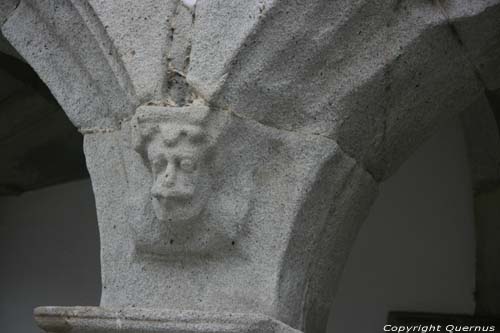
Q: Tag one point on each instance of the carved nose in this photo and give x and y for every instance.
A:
(170, 182)
(170, 177)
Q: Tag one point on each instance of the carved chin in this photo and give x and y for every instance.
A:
(172, 210)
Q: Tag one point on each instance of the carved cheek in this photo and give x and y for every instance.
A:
(189, 179)
(202, 183)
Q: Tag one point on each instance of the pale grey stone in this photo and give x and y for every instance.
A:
(220, 31)
(6, 7)
(235, 146)
(376, 76)
(456, 9)
(255, 245)
(140, 32)
(178, 151)
(99, 320)
(76, 62)
(179, 57)
(255, 58)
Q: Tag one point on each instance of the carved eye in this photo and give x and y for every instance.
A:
(187, 165)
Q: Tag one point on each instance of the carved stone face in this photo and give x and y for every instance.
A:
(180, 179)
(179, 202)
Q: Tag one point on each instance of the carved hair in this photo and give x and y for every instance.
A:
(175, 124)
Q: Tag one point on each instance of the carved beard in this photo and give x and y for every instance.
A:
(175, 211)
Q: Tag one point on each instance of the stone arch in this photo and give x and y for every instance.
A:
(367, 81)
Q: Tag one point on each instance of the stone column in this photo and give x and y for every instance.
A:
(235, 146)
(482, 125)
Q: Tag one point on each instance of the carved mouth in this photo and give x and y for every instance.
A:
(175, 208)
(175, 195)
(175, 200)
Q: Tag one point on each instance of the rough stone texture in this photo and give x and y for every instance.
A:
(377, 76)
(72, 54)
(99, 320)
(228, 24)
(140, 32)
(235, 146)
(278, 200)
(6, 7)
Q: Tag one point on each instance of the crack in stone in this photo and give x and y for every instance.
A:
(175, 85)
(11, 12)
(96, 28)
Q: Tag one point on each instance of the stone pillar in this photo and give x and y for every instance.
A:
(235, 146)
(482, 132)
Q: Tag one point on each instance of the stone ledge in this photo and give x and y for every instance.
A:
(132, 320)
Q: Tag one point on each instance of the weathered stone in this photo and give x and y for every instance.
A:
(254, 61)
(7, 7)
(254, 246)
(140, 32)
(235, 146)
(67, 46)
(220, 31)
(376, 76)
(99, 320)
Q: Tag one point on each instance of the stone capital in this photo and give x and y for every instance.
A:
(235, 147)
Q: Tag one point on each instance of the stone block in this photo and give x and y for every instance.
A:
(100, 320)
(279, 215)
(376, 76)
(141, 33)
(75, 59)
(6, 7)
(235, 146)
